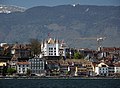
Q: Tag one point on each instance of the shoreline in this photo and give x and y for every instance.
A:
(59, 78)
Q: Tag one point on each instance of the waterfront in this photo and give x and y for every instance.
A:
(59, 83)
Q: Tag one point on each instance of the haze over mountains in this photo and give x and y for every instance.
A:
(67, 22)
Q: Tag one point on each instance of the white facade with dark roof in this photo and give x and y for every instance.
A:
(22, 67)
(52, 47)
(102, 69)
(117, 67)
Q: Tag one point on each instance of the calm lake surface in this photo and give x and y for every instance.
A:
(59, 83)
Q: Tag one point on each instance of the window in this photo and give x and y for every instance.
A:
(103, 68)
(23, 68)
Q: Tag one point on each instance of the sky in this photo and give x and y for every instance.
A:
(32, 3)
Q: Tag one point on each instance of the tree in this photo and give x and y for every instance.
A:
(28, 72)
(67, 55)
(4, 70)
(10, 71)
(35, 47)
(77, 55)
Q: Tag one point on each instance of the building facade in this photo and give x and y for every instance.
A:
(117, 68)
(53, 47)
(22, 67)
(37, 66)
(102, 69)
(21, 50)
(3, 66)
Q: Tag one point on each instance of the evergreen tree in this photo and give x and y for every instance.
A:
(35, 47)
(77, 55)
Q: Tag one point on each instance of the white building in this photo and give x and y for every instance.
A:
(101, 69)
(22, 67)
(52, 47)
(117, 68)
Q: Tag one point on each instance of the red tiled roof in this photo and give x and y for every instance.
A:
(23, 63)
(110, 49)
(117, 64)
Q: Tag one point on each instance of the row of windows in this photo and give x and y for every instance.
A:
(52, 54)
(21, 71)
(103, 68)
(23, 65)
(37, 67)
(36, 71)
(36, 63)
(35, 60)
(22, 68)
(50, 48)
(104, 72)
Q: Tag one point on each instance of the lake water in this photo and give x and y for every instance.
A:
(59, 83)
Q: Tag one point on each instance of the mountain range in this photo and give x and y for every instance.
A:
(71, 23)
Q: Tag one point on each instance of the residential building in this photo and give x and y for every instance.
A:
(111, 70)
(101, 69)
(81, 71)
(21, 50)
(3, 66)
(64, 70)
(88, 66)
(52, 67)
(1, 51)
(110, 51)
(22, 67)
(87, 52)
(37, 66)
(117, 68)
(13, 62)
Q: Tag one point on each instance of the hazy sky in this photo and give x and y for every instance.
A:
(32, 3)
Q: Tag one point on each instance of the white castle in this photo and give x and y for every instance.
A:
(53, 47)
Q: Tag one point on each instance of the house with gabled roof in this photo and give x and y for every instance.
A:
(22, 67)
(21, 50)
